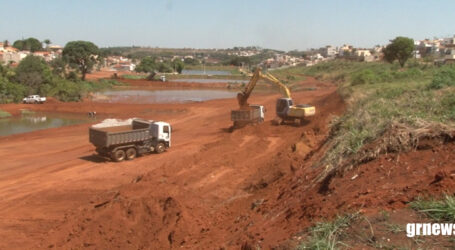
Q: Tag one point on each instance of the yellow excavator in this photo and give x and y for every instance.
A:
(286, 110)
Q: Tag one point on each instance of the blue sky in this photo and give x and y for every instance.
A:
(285, 24)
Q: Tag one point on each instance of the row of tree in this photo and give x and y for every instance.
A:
(149, 65)
(31, 44)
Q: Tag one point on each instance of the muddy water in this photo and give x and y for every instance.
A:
(206, 72)
(28, 122)
(198, 80)
(161, 96)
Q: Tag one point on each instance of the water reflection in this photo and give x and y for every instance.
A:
(30, 121)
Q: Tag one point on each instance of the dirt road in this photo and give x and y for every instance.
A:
(50, 178)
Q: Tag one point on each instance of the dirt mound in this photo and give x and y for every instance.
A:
(398, 138)
(388, 182)
(118, 221)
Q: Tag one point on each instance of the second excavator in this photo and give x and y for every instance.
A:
(286, 110)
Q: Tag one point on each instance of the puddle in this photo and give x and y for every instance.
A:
(205, 72)
(161, 96)
(199, 80)
(30, 121)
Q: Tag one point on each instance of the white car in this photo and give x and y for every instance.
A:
(34, 99)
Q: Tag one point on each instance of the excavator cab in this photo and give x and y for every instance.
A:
(282, 107)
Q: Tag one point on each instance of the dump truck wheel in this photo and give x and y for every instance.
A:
(131, 153)
(118, 155)
(160, 148)
(302, 122)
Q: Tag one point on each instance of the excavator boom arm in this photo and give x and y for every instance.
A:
(274, 80)
(243, 96)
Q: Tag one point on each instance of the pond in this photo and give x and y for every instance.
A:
(205, 72)
(161, 96)
(31, 121)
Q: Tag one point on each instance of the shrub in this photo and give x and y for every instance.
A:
(11, 92)
(445, 77)
(66, 91)
(32, 72)
(364, 77)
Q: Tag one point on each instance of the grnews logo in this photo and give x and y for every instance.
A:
(428, 229)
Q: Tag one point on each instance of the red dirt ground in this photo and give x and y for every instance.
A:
(212, 189)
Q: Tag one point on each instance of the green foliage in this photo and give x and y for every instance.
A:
(134, 77)
(178, 65)
(73, 91)
(164, 68)
(10, 92)
(444, 77)
(47, 42)
(439, 210)
(31, 44)
(147, 65)
(33, 76)
(327, 235)
(191, 61)
(238, 61)
(65, 90)
(32, 72)
(400, 49)
(58, 66)
(363, 77)
(82, 55)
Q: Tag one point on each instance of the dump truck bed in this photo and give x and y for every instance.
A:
(302, 110)
(244, 115)
(118, 135)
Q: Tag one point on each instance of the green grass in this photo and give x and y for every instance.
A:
(134, 77)
(4, 114)
(439, 210)
(327, 235)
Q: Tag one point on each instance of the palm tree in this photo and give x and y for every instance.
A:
(47, 42)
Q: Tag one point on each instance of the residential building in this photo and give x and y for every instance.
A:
(329, 51)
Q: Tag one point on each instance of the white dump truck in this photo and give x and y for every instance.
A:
(126, 142)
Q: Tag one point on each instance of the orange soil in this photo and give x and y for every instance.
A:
(212, 189)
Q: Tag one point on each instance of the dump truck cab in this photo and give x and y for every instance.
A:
(161, 131)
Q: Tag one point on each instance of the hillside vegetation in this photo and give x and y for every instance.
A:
(34, 76)
(381, 96)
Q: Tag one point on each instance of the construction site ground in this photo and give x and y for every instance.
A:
(214, 188)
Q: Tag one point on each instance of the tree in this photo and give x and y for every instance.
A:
(147, 65)
(81, 55)
(31, 44)
(178, 65)
(47, 42)
(32, 72)
(58, 66)
(400, 49)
